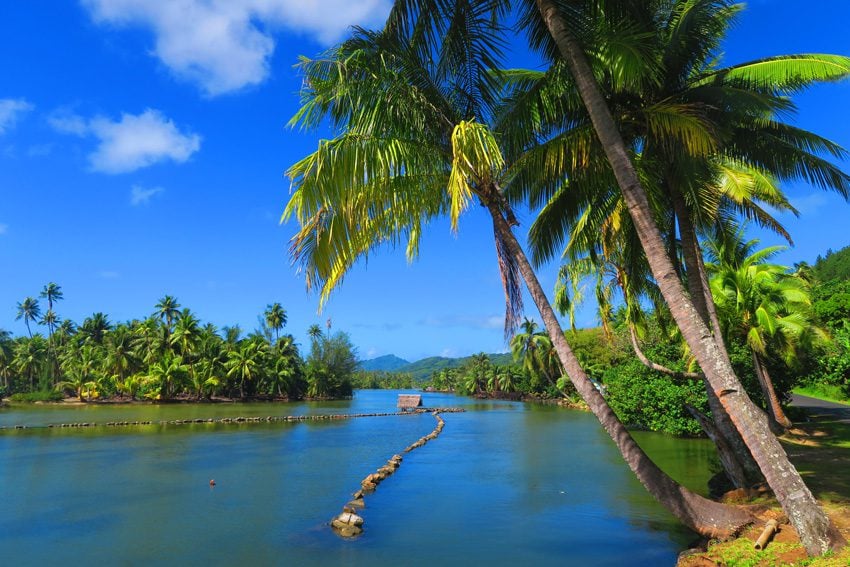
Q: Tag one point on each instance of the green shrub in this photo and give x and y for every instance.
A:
(31, 397)
(650, 400)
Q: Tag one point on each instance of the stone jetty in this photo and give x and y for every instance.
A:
(234, 420)
(349, 523)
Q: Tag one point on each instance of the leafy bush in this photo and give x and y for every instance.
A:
(32, 397)
(650, 400)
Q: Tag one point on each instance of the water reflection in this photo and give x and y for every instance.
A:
(506, 482)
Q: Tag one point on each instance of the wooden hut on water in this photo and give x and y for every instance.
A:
(408, 402)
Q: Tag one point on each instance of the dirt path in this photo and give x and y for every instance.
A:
(822, 409)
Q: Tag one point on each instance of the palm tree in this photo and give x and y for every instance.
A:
(812, 524)
(275, 317)
(28, 357)
(94, 328)
(80, 369)
(28, 310)
(764, 305)
(169, 373)
(168, 310)
(120, 354)
(534, 349)
(187, 335)
(5, 358)
(414, 146)
(52, 293)
(244, 363)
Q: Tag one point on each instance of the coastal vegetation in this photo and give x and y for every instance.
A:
(170, 355)
(633, 146)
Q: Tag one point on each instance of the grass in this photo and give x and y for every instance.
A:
(823, 392)
(32, 397)
(821, 452)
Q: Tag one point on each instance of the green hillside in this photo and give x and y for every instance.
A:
(386, 363)
(421, 370)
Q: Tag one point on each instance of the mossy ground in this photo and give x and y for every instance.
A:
(821, 452)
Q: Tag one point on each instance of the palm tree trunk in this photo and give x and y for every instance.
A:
(704, 516)
(816, 532)
(730, 463)
(774, 407)
(700, 294)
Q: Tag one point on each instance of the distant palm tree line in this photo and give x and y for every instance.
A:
(170, 354)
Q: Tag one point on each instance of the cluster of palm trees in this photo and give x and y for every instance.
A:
(631, 144)
(168, 355)
(480, 376)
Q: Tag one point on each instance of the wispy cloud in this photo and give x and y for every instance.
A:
(133, 141)
(11, 109)
(225, 45)
(4, 228)
(108, 274)
(141, 196)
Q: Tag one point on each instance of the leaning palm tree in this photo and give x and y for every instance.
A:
(28, 310)
(414, 145)
(565, 28)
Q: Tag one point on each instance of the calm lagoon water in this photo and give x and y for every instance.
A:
(505, 484)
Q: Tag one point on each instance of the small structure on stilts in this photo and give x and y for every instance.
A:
(409, 402)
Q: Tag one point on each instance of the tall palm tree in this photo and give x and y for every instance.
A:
(167, 309)
(28, 310)
(814, 527)
(414, 146)
(275, 317)
(120, 357)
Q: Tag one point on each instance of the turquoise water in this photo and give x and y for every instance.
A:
(505, 483)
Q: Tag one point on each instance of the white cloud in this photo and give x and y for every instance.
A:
(10, 110)
(225, 45)
(108, 275)
(68, 123)
(142, 196)
(139, 141)
(133, 142)
(4, 228)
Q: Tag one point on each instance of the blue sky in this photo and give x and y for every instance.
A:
(142, 151)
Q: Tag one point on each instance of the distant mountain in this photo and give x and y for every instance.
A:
(387, 363)
(421, 370)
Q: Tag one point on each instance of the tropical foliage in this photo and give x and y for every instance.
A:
(169, 355)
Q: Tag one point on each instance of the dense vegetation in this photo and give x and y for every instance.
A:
(169, 355)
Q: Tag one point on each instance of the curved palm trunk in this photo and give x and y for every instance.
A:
(655, 366)
(774, 407)
(704, 516)
(816, 532)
